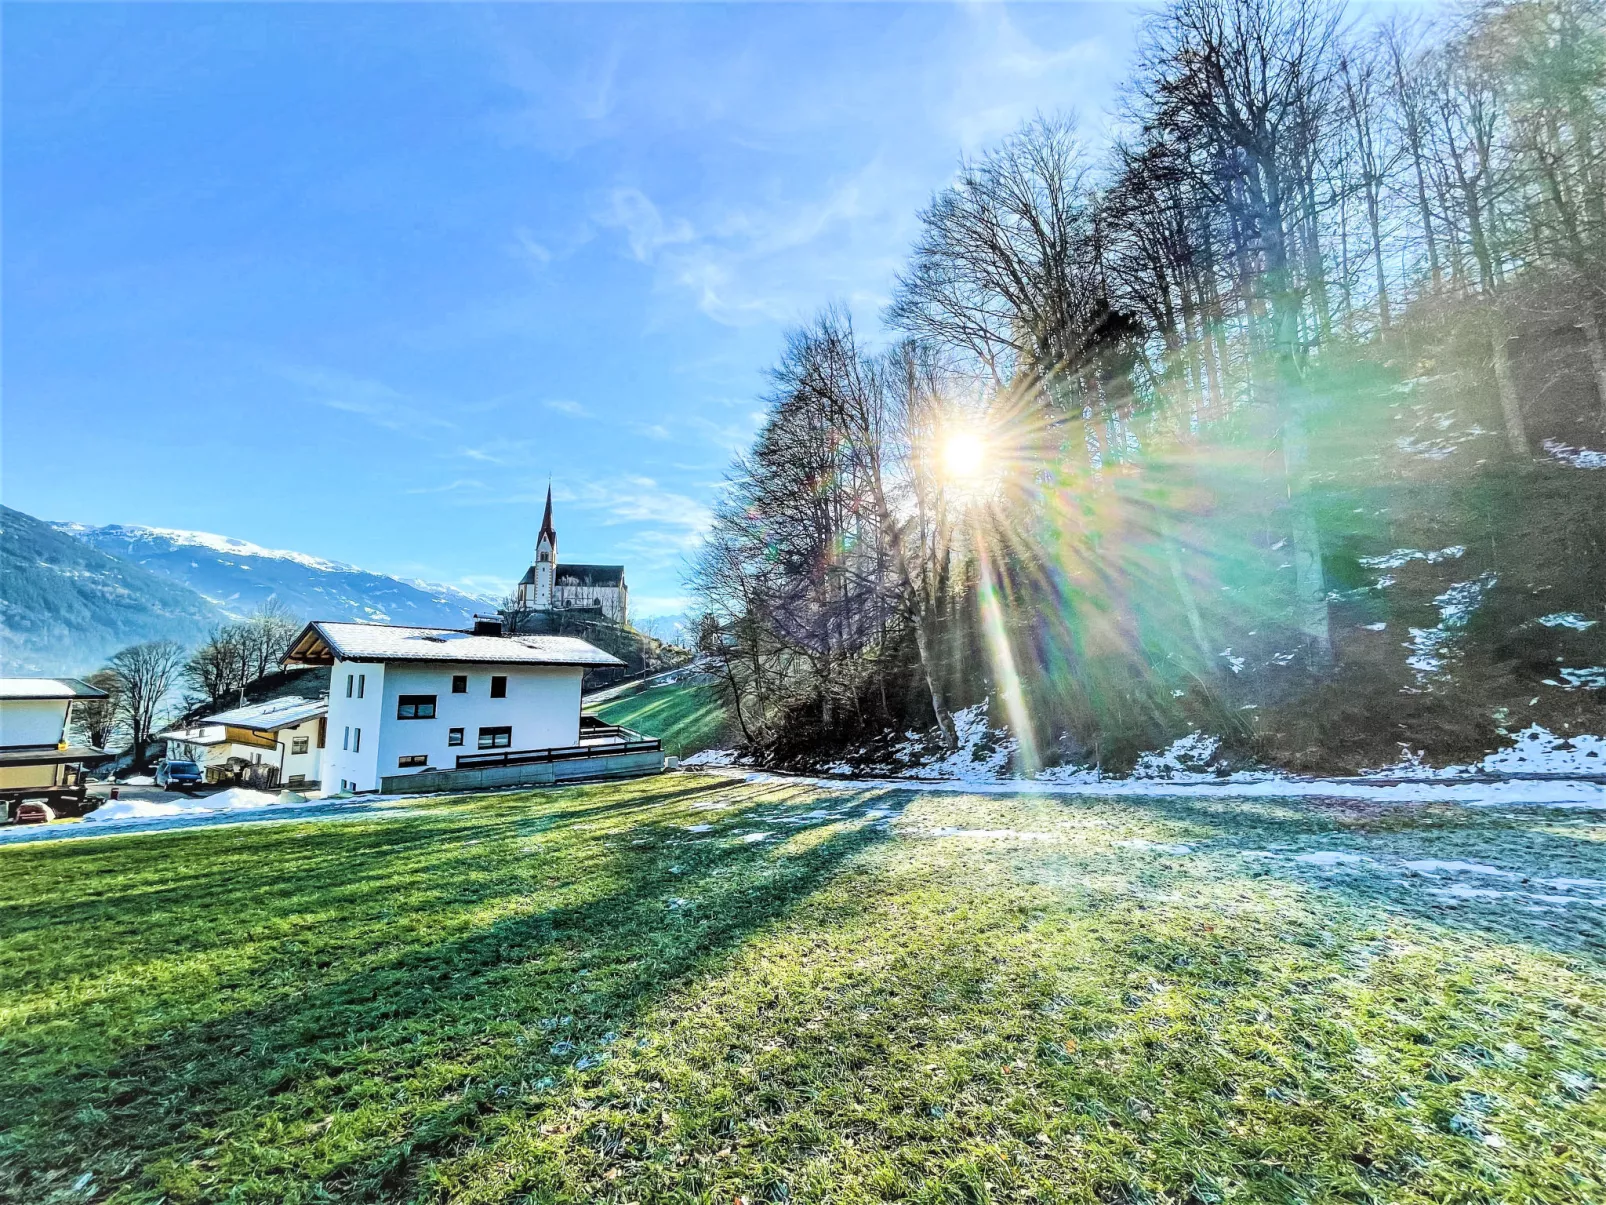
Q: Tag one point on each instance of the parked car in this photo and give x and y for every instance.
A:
(177, 775)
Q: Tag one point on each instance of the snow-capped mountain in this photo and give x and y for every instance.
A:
(237, 576)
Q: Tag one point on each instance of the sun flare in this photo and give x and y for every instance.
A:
(964, 456)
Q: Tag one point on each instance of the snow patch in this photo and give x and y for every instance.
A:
(233, 799)
(1567, 619)
(709, 757)
(1578, 458)
(1158, 847)
(1403, 556)
(1187, 758)
(985, 834)
(1433, 866)
(1329, 857)
(1432, 647)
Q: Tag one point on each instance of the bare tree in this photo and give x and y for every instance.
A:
(97, 719)
(147, 674)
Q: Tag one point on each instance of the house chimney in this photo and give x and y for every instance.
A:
(484, 626)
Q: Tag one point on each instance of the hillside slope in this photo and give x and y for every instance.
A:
(237, 577)
(66, 606)
(688, 716)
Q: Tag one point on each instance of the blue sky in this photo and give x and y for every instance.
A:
(354, 280)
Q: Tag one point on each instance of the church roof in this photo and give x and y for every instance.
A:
(591, 575)
(546, 521)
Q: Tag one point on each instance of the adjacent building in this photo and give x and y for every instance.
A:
(277, 743)
(406, 700)
(36, 759)
(549, 585)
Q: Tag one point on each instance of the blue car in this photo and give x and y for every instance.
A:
(177, 775)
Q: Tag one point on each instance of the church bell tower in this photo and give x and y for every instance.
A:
(546, 559)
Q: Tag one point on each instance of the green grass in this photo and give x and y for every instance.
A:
(687, 717)
(570, 995)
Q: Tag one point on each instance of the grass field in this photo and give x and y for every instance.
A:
(690, 989)
(688, 717)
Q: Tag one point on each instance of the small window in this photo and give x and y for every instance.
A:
(351, 680)
(543, 556)
(454, 736)
(415, 707)
(345, 742)
(356, 740)
(361, 681)
(297, 780)
(416, 759)
(499, 687)
(459, 684)
(496, 738)
(298, 744)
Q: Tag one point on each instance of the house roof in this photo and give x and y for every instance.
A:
(321, 643)
(272, 715)
(591, 575)
(51, 755)
(48, 688)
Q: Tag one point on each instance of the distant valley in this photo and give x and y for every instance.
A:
(74, 594)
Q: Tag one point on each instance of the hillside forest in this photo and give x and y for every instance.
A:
(1279, 418)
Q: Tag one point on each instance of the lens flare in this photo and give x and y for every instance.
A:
(964, 456)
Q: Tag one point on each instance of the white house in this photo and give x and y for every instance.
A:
(35, 757)
(404, 700)
(287, 734)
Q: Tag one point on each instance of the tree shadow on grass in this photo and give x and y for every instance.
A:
(1520, 904)
(368, 1038)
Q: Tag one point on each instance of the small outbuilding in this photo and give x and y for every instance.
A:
(277, 743)
(36, 759)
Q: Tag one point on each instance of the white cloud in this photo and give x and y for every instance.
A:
(373, 400)
(564, 405)
(646, 230)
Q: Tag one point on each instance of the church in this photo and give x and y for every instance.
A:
(550, 586)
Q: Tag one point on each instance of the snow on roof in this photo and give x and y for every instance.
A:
(48, 688)
(272, 715)
(388, 642)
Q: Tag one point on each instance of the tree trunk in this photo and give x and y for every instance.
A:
(1597, 358)
(1190, 606)
(1510, 405)
(1310, 586)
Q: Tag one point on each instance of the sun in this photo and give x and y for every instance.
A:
(964, 457)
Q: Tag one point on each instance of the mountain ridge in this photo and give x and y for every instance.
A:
(75, 593)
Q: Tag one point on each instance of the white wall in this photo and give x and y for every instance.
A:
(542, 707)
(32, 721)
(305, 764)
(348, 716)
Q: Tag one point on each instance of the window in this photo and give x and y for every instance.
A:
(298, 744)
(356, 740)
(459, 684)
(499, 687)
(415, 759)
(361, 680)
(454, 736)
(543, 556)
(415, 707)
(496, 738)
(298, 780)
(351, 680)
(345, 742)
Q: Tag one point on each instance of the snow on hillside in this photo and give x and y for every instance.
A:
(237, 576)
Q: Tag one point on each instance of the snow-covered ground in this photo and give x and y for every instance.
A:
(1539, 767)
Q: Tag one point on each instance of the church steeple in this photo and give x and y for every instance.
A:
(546, 523)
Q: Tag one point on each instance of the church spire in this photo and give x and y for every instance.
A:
(546, 521)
